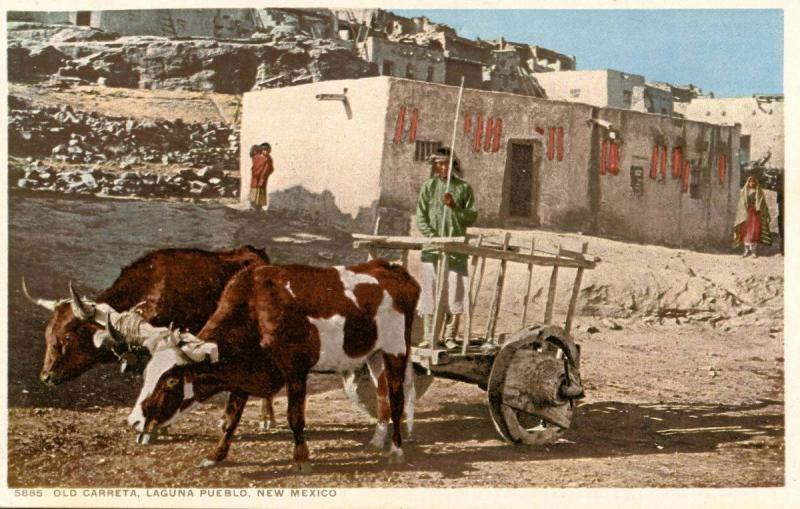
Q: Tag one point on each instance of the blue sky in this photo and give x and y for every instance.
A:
(730, 52)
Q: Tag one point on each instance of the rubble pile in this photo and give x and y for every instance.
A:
(70, 136)
(267, 61)
(206, 182)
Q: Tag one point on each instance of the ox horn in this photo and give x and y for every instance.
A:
(47, 304)
(79, 309)
(116, 335)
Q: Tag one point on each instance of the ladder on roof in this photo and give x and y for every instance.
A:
(527, 81)
(167, 24)
(361, 34)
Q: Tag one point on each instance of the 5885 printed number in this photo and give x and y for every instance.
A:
(28, 493)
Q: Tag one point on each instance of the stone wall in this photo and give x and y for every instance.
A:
(507, 72)
(69, 136)
(219, 23)
(405, 60)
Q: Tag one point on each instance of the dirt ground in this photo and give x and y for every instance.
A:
(134, 103)
(670, 403)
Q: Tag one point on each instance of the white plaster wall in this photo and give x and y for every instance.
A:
(593, 86)
(314, 145)
(764, 124)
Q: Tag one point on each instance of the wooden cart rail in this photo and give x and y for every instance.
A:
(564, 258)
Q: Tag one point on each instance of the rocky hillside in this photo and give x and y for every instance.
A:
(67, 135)
(70, 54)
(61, 149)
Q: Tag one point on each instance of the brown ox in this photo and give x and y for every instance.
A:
(179, 286)
(273, 325)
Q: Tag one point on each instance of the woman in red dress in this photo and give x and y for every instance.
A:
(751, 226)
(259, 175)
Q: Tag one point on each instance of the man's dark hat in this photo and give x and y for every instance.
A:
(443, 154)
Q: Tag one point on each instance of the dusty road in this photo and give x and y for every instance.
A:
(667, 404)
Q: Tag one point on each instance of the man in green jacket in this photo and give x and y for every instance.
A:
(457, 205)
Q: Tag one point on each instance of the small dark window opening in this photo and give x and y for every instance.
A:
(627, 97)
(83, 18)
(410, 71)
(423, 149)
(695, 190)
(388, 68)
(430, 73)
(637, 180)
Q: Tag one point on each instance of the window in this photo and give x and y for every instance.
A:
(430, 73)
(410, 71)
(627, 97)
(637, 180)
(83, 18)
(694, 182)
(423, 149)
(388, 68)
(744, 149)
(575, 92)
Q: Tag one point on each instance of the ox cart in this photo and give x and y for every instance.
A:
(532, 376)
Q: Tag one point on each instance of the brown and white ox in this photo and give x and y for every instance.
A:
(275, 324)
(179, 286)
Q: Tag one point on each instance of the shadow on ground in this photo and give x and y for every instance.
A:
(452, 439)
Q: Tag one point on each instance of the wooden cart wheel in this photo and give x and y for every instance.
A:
(361, 392)
(533, 429)
(523, 392)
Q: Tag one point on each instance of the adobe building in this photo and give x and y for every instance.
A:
(405, 60)
(212, 23)
(608, 88)
(348, 151)
(761, 118)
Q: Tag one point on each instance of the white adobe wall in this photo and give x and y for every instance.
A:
(763, 122)
(326, 164)
(587, 87)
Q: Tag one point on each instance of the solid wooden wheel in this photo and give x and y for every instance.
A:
(525, 386)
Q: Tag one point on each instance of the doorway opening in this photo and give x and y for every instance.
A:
(522, 168)
(83, 18)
